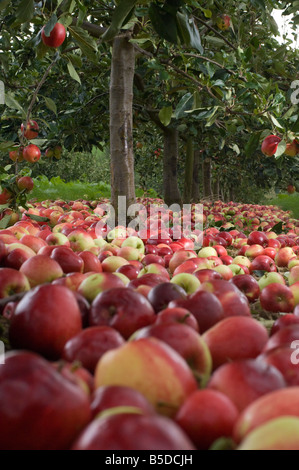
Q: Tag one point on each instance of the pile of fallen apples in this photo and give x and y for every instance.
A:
(125, 340)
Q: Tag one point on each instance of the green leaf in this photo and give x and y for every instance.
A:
(277, 228)
(38, 142)
(50, 25)
(252, 144)
(73, 73)
(259, 273)
(7, 145)
(41, 50)
(4, 223)
(51, 105)
(4, 3)
(188, 31)
(124, 9)
(37, 218)
(86, 43)
(164, 23)
(75, 59)
(25, 11)
(165, 115)
(280, 149)
(276, 123)
(273, 25)
(184, 105)
(215, 41)
(208, 13)
(12, 103)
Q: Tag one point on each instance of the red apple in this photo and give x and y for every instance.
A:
(33, 242)
(283, 256)
(258, 238)
(233, 301)
(283, 359)
(178, 315)
(248, 285)
(31, 131)
(12, 282)
(235, 338)
(44, 320)
(41, 269)
(89, 345)
(205, 306)
(150, 259)
(31, 153)
(122, 309)
(32, 390)
(284, 337)
(76, 374)
(206, 416)
(179, 257)
(204, 275)
(132, 431)
(149, 280)
(185, 341)
(129, 270)
(56, 37)
(113, 397)
(162, 294)
(91, 262)
(69, 261)
(283, 322)
(263, 263)
(270, 144)
(245, 381)
(277, 298)
(25, 182)
(152, 367)
(284, 402)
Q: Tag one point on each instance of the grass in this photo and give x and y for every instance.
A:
(287, 202)
(56, 188)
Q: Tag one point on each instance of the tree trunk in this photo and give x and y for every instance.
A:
(189, 168)
(195, 183)
(121, 124)
(231, 194)
(207, 178)
(216, 187)
(170, 182)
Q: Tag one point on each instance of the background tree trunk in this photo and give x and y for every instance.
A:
(216, 187)
(206, 169)
(195, 196)
(189, 168)
(121, 122)
(170, 182)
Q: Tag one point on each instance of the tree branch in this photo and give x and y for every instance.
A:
(168, 63)
(211, 28)
(207, 59)
(94, 30)
(38, 89)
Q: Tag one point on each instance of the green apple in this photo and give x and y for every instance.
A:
(207, 251)
(270, 278)
(134, 242)
(187, 281)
